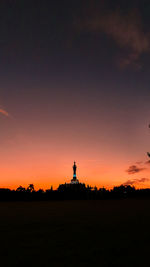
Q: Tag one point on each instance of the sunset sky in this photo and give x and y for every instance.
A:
(74, 85)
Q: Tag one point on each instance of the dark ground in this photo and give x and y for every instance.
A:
(75, 233)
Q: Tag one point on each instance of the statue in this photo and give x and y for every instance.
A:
(74, 180)
(74, 169)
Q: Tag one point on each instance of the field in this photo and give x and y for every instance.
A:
(75, 233)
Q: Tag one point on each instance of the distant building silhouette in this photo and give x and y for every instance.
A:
(74, 180)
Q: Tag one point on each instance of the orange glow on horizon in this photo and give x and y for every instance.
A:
(44, 176)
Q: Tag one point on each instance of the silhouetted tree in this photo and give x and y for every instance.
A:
(30, 188)
(89, 187)
(21, 189)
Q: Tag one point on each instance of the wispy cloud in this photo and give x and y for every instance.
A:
(4, 112)
(134, 169)
(125, 29)
(136, 181)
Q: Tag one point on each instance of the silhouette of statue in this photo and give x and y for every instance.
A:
(74, 169)
(74, 180)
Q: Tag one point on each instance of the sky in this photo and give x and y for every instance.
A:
(74, 86)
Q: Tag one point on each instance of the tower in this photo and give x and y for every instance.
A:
(74, 180)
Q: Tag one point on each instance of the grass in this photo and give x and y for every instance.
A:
(75, 233)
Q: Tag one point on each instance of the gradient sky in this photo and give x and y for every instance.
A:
(74, 85)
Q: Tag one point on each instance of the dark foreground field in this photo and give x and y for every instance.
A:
(75, 233)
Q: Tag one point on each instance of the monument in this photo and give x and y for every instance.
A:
(74, 180)
(74, 187)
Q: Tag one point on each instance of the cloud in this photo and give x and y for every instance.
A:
(136, 181)
(147, 162)
(125, 29)
(4, 112)
(134, 169)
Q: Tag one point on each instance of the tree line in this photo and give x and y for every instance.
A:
(72, 191)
